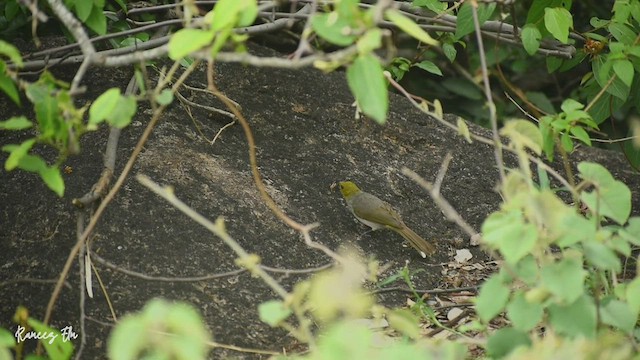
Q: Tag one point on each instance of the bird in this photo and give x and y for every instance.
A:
(378, 214)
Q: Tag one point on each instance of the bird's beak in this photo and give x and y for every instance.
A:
(333, 186)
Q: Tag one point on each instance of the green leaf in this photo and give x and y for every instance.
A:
(523, 134)
(11, 52)
(103, 106)
(16, 123)
(621, 10)
(345, 340)
(506, 340)
(536, 11)
(617, 313)
(463, 129)
(219, 41)
(553, 64)
(410, 27)
(596, 174)
(543, 178)
(165, 97)
(7, 86)
(333, 28)
(128, 338)
(248, 12)
(273, 312)
(32, 163)
(429, 66)
(564, 279)
(570, 105)
(462, 87)
(97, 21)
(7, 340)
(581, 134)
(575, 228)
(83, 9)
(631, 232)
(186, 41)
(635, 11)
(370, 41)
(622, 33)
(449, 51)
(616, 243)
(531, 37)
(492, 298)
(436, 6)
(464, 22)
(601, 256)
(527, 270)
(122, 5)
(183, 334)
(624, 70)
(566, 142)
(541, 100)
(633, 296)
(11, 9)
(121, 116)
(611, 198)
(548, 136)
(17, 153)
(46, 107)
(404, 322)
(558, 21)
(603, 71)
(631, 151)
(576, 319)
(523, 314)
(509, 233)
(369, 87)
(228, 14)
(53, 178)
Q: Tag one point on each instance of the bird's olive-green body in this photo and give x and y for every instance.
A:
(378, 214)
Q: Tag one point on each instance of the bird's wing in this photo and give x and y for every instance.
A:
(370, 208)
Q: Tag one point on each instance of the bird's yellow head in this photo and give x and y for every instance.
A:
(348, 189)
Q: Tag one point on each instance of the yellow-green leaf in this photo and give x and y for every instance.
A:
(410, 27)
(369, 87)
(186, 41)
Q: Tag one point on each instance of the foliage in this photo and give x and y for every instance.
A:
(57, 343)
(561, 262)
(351, 323)
(161, 330)
(59, 123)
(605, 62)
(572, 291)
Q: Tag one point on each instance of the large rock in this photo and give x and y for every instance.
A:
(307, 139)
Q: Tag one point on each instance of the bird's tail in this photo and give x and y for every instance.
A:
(416, 241)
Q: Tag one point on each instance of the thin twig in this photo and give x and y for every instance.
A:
(257, 177)
(143, 276)
(246, 260)
(476, 137)
(449, 212)
(493, 117)
(424, 291)
(216, 228)
(34, 281)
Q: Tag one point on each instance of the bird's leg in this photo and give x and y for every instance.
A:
(364, 233)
